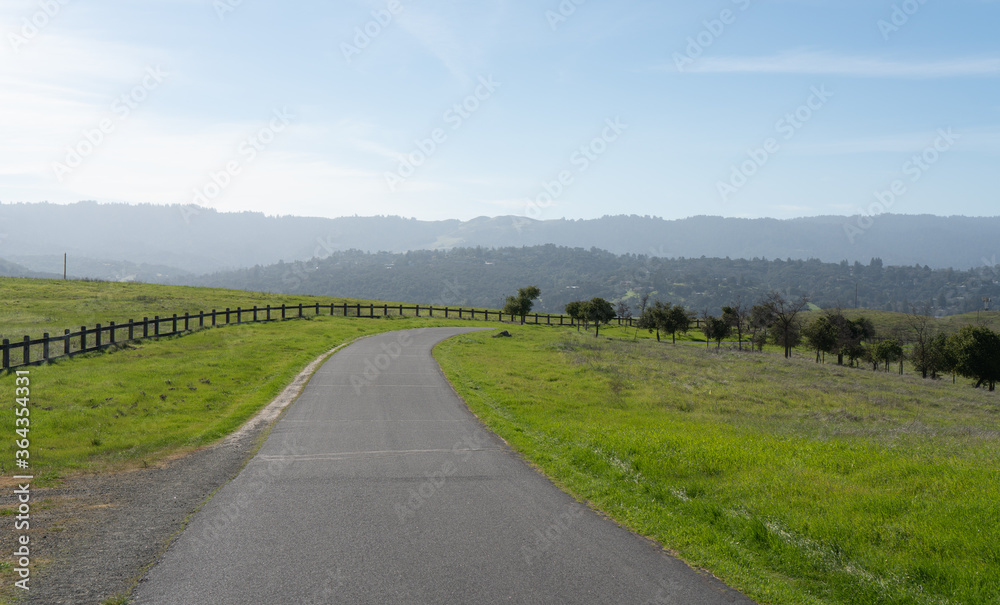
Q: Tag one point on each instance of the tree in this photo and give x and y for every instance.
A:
(600, 312)
(521, 304)
(850, 335)
(821, 335)
(624, 311)
(920, 323)
(737, 315)
(761, 318)
(940, 357)
(977, 355)
(654, 318)
(677, 319)
(576, 313)
(715, 328)
(643, 301)
(786, 327)
(886, 352)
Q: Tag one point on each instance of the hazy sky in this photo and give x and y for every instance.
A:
(456, 109)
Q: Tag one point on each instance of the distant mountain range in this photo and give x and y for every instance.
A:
(171, 243)
(484, 277)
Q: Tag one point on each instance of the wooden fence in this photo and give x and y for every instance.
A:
(33, 351)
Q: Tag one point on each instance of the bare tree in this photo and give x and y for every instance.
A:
(624, 311)
(761, 319)
(737, 315)
(920, 323)
(787, 331)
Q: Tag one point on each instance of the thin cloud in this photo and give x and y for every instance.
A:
(813, 63)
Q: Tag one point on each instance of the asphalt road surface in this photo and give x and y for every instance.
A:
(379, 486)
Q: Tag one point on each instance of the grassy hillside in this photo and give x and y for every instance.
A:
(889, 322)
(36, 306)
(797, 483)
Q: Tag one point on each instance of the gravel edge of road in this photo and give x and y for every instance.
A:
(100, 534)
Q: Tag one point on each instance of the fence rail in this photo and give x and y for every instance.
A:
(33, 351)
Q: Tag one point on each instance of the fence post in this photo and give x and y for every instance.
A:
(418, 310)
(27, 350)
(239, 315)
(6, 353)
(268, 312)
(187, 322)
(145, 327)
(201, 319)
(45, 347)
(371, 310)
(358, 311)
(66, 345)
(83, 339)
(255, 313)
(174, 324)
(332, 312)
(385, 310)
(282, 310)
(111, 329)
(228, 316)
(317, 308)
(300, 310)
(97, 335)
(156, 325)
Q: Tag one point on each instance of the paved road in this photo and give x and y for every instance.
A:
(379, 486)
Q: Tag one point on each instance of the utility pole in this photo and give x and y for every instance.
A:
(65, 256)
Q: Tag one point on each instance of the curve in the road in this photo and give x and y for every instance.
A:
(379, 486)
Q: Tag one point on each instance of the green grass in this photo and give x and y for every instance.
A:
(889, 322)
(35, 306)
(794, 482)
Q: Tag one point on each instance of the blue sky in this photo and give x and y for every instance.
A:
(543, 109)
